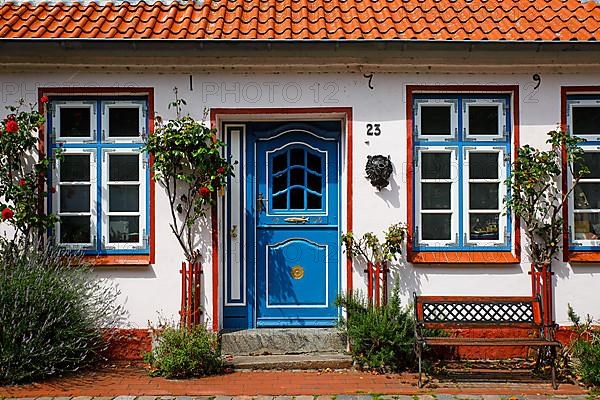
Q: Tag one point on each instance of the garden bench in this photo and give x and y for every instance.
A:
(451, 312)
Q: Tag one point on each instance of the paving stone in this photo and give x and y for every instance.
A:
(291, 398)
(467, 397)
(305, 397)
(222, 398)
(146, 397)
(264, 398)
(82, 398)
(95, 398)
(183, 397)
(396, 397)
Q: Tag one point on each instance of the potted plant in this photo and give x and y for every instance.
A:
(377, 254)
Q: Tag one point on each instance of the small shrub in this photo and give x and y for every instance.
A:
(585, 349)
(380, 338)
(183, 353)
(53, 313)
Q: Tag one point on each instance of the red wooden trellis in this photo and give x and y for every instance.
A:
(377, 283)
(541, 285)
(191, 280)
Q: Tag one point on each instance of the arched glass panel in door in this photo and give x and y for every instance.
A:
(297, 176)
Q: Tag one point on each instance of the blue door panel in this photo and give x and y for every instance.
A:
(296, 225)
(292, 195)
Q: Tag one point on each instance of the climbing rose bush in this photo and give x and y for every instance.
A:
(188, 162)
(23, 178)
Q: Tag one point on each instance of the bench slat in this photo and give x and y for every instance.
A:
(444, 341)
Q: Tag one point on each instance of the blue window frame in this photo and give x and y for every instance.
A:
(583, 120)
(102, 178)
(461, 155)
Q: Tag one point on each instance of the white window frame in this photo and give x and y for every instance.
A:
(93, 200)
(584, 103)
(107, 105)
(502, 190)
(141, 213)
(502, 131)
(572, 239)
(453, 151)
(452, 103)
(57, 135)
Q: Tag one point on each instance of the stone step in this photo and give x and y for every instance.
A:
(293, 361)
(283, 341)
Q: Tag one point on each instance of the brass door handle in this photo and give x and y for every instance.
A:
(297, 220)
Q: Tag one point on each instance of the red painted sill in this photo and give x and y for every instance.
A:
(462, 257)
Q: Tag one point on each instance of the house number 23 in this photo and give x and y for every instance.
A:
(373, 130)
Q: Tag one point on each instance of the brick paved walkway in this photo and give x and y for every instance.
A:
(134, 381)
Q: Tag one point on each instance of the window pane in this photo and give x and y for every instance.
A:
(435, 165)
(123, 167)
(279, 163)
(592, 161)
(483, 196)
(587, 226)
(314, 182)
(75, 230)
(75, 168)
(436, 226)
(123, 121)
(124, 229)
(586, 120)
(314, 201)
(483, 165)
(297, 177)
(280, 202)
(123, 198)
(483, 120)
(297, 199)
(297, 157)
(587, 195)
(484, 227)
(313, 162)
(435, 196)
(435, 120)
(279, 183)
(74, 198)
(75, 121)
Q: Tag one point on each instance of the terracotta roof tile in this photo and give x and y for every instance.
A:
(512, 20)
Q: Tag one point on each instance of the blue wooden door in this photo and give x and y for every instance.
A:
(296, 205)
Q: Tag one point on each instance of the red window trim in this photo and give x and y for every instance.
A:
(573, 256)
(456, 257)
(146, 91)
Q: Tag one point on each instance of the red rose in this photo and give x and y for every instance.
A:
(11, 117)
(7, 213)
(52, 189)
(220, 170)
(204, 191)
(11, 126)
(44, 99)
(22, 182)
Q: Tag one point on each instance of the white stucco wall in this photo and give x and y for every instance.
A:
(154, 290)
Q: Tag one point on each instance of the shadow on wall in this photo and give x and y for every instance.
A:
(410, 277)
(390, 194)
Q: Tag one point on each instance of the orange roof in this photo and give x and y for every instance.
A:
(511, 20)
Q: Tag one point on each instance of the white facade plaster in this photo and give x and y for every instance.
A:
(154, 290)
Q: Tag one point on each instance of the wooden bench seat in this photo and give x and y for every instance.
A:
(490, 313)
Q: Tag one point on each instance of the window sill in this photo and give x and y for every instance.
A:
(574, 256)
(463, 257)
(139, 260)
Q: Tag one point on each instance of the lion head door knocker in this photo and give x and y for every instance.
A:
(379, 169)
